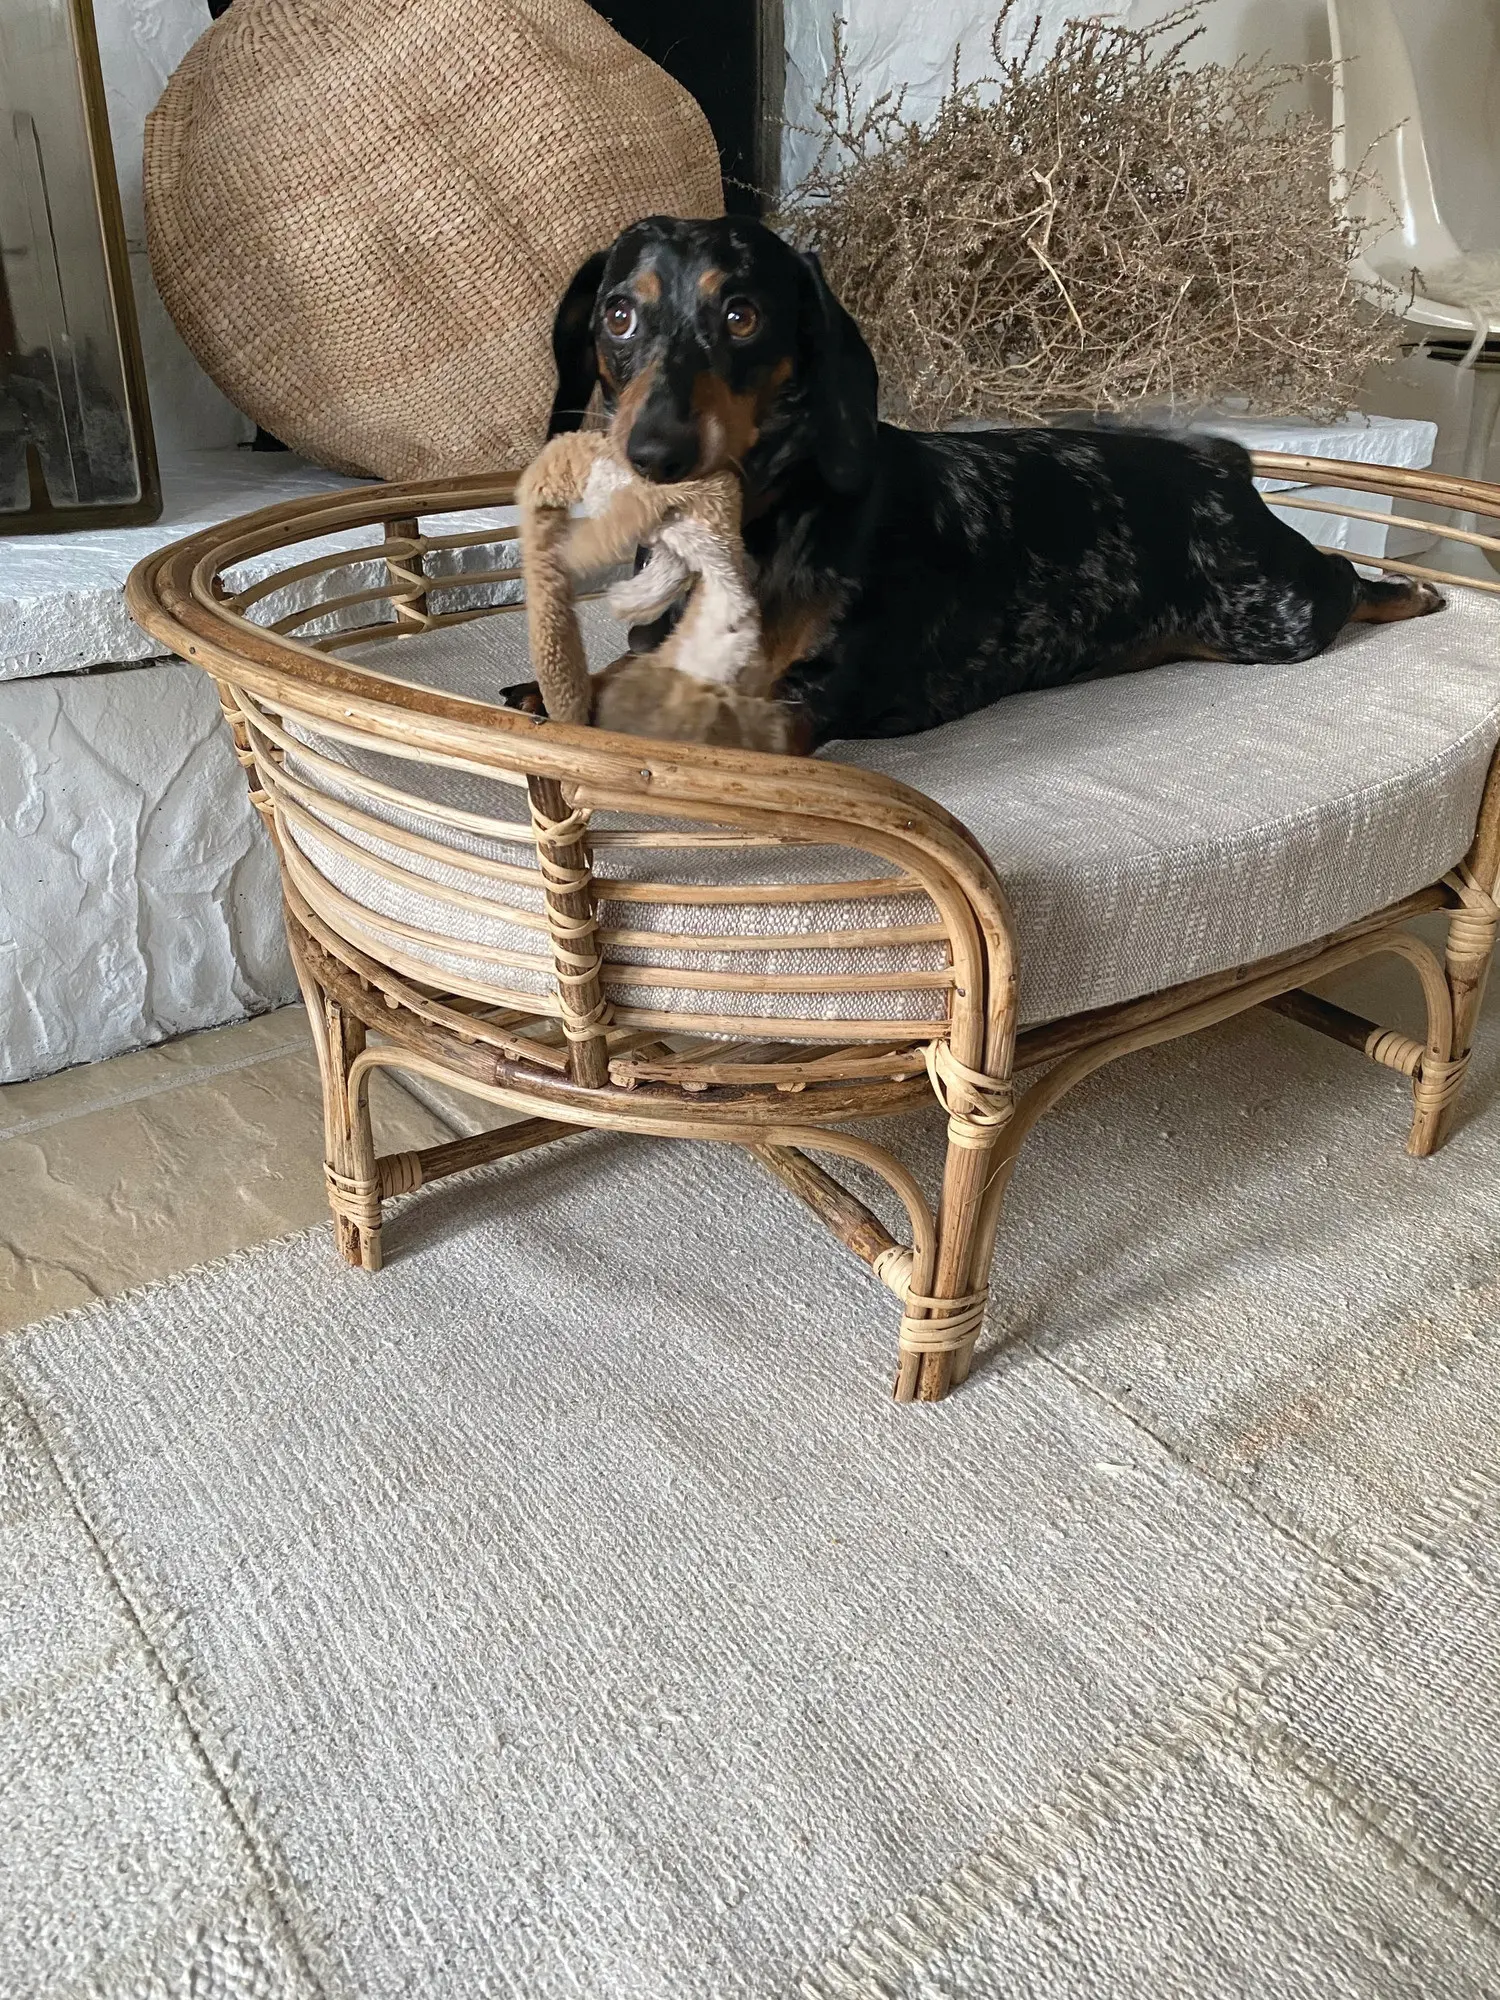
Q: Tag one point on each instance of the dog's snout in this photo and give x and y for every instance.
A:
(663, 454)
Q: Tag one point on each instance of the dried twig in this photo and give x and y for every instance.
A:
(1104, 228)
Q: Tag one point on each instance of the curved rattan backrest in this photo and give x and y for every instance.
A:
(358, 642)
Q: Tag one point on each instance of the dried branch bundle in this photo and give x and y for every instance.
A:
(1104, 228)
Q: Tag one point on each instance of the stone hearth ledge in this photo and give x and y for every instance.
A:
(1356, 440)
(62, 606)
(140, 894)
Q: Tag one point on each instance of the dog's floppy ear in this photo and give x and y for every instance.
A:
(573, 346)
(843, 384)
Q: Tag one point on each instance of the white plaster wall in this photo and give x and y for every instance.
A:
(141, 42)
(901, 43)
(896, 43)
(141, 895)
(1455, 48)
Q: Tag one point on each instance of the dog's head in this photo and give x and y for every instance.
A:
(716, 344)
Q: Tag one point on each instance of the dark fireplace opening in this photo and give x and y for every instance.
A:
(728, 53)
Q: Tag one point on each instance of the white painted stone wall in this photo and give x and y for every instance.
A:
(141, 42)
(895, 44)
(140, 893)
(1455, 47)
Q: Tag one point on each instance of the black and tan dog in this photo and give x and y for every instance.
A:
(906, 578)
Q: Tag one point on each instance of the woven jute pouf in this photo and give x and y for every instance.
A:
(361, 213)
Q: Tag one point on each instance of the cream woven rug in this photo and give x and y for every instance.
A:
(566, 1612)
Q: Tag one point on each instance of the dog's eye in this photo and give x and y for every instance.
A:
(619, 318)
(742, 319)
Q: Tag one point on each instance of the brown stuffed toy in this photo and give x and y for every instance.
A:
(708, 682)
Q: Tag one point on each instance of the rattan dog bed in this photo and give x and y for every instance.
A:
(596, 930)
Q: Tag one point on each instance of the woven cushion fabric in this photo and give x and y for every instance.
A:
(474, 660)
(1170, 824)
(361, 213)
(1147, 830)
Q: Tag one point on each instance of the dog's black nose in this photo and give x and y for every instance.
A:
(663, 456)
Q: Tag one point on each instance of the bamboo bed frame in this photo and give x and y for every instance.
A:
(778, 1087)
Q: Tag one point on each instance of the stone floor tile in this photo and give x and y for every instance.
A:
(125, 1171)
(89, 1086)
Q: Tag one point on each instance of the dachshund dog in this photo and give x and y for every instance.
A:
(905, 578)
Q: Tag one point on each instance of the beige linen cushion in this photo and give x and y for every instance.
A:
(1147, 830)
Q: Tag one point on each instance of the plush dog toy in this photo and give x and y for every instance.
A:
(708, 681)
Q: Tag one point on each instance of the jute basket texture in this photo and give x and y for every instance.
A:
(361, 213)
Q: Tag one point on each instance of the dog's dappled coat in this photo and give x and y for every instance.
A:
(903, 578)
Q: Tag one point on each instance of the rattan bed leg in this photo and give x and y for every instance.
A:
(1472, 933)
(991, 1205)
(954, 1312)
(349, 1164)
(938, 1330)
(337, 1039)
